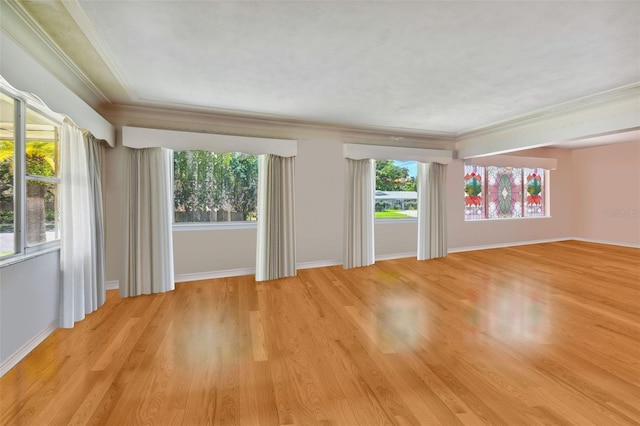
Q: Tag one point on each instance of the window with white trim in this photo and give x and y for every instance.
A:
(395, 195)
(492, 192)
(29, 177)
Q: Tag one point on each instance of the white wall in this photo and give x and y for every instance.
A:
(319, 217)
(606, 193)
(506, 231)
(27, 75)
(29, 293)
(29, 289)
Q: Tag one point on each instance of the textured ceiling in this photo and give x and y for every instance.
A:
(429, 66)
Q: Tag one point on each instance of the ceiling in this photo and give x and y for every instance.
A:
(435, 67)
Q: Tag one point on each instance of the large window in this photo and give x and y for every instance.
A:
(29, 177)
(396, 196)
(210, 187)
(493, 192)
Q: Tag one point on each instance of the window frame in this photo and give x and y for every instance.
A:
(207, 226)
(385, 221)
(546, 191)
(22, 250)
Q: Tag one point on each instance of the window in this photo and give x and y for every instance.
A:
(492, 192)
(396, 196)
(7, 155)
(211, 188)
(29, 177)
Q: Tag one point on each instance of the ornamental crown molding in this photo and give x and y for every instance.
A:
(198, 121)
(606, 99)
(24, 30)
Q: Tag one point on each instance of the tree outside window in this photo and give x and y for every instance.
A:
(214, 187)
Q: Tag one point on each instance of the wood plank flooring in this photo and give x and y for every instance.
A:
(540, 334)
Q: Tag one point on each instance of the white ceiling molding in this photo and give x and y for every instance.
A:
(82, 20)
(379, 152)
(138, 137)
(48, 89)
(619, 111)
(194, 121)
(18, 24)
(515, 161)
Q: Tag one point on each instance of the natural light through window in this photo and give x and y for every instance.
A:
(396, 196)
(211, 187)
(34, 156)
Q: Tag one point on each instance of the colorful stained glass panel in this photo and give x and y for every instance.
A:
(533, 184)
(504, 192)
(474, 200)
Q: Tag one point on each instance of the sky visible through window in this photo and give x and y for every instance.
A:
(411, 165)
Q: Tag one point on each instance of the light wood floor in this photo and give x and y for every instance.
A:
(541, 334)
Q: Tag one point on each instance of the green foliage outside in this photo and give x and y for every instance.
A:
(40, 161)
(390, 177)
(206, 183)
(6, 216)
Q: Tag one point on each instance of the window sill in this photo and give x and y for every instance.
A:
(507, 219)
(219, 226)
(386, 221)
(19, 258)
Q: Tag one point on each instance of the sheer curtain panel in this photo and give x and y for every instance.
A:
(147, 264)
(432, 210)
(276, 247)
(81, 239)
(359, 208)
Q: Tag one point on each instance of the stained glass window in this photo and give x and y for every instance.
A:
(533, 184)
(474, 202)
(492, 192)
(504, 192)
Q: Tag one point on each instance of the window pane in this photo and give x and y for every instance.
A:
(396, 196)
(211, 187)
(504, 192)
(534, 187)
(474, 200)
(7, 155)
(41, 212)
(42, 145)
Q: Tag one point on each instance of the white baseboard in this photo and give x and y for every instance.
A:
(318, 264)
(396, 256)
(112, 285)
(31, 344)
(215, 274)
(503, 245)
(611, 243)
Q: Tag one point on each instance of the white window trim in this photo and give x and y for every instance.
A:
(22, 102)
(214, 226)
(385, 221)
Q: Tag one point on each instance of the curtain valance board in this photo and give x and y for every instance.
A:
(139, 137)
(383, 152)
(514, 161)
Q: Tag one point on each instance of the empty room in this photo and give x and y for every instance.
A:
(319, 212)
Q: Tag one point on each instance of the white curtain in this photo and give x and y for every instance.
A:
(276, 247)
(359, 213)
(432, 210)
(95, 154)
(147, 263)
(81, 250)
